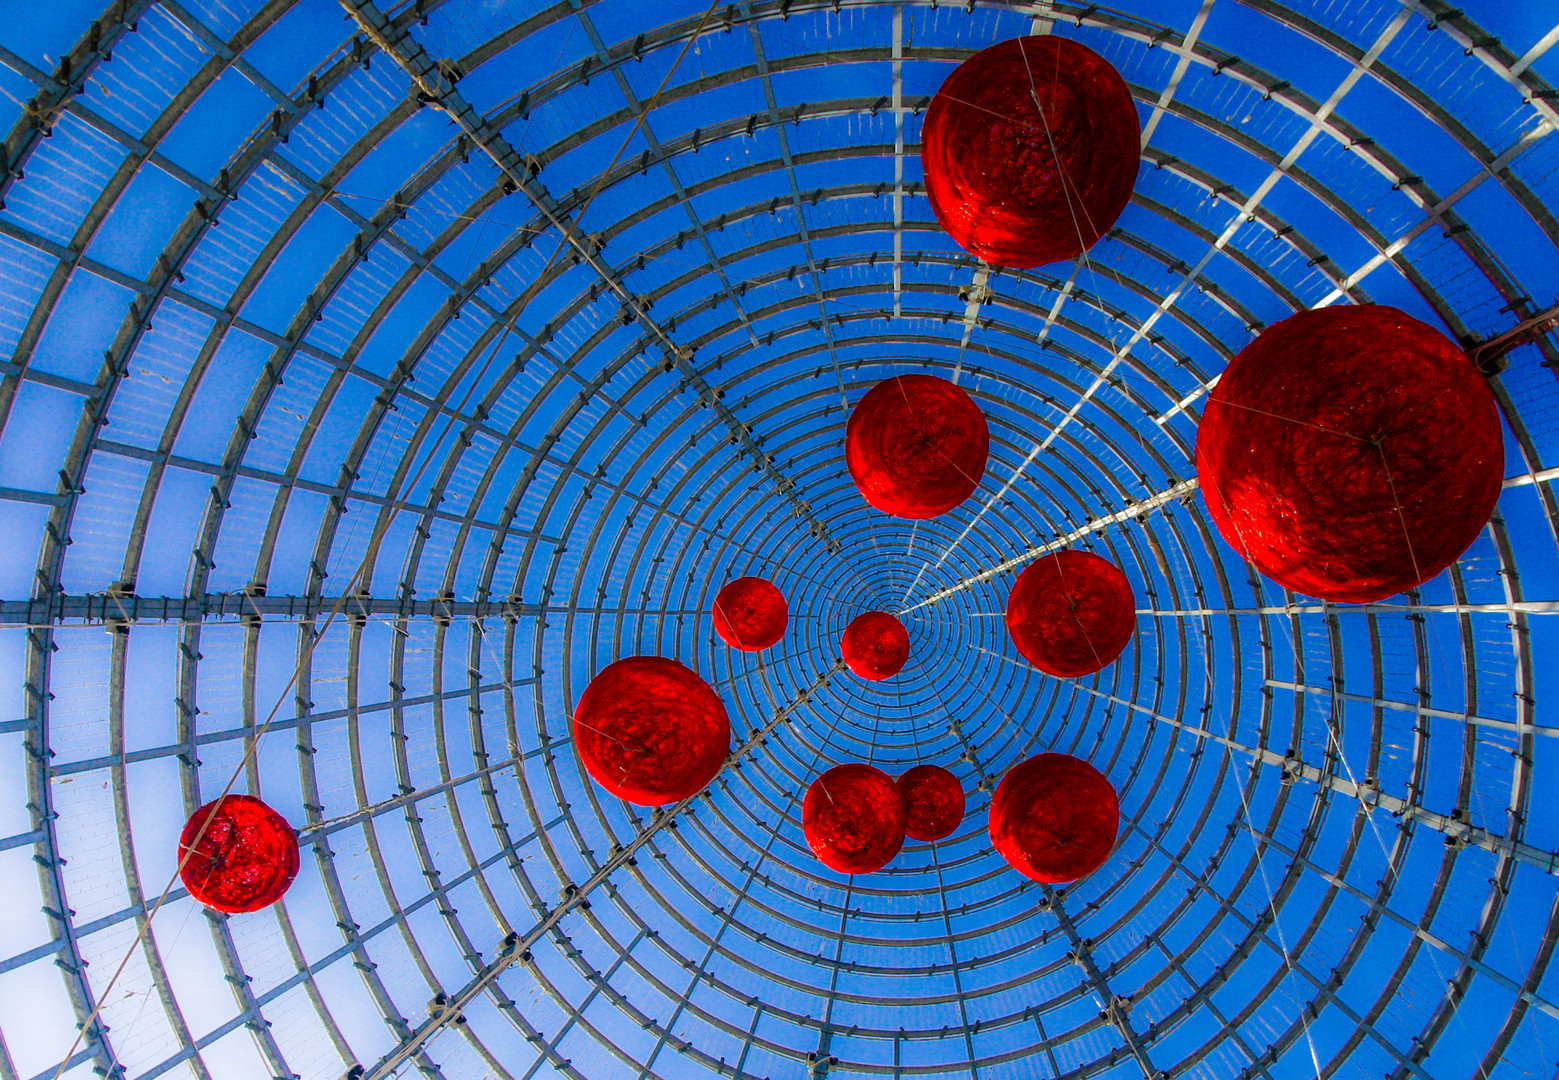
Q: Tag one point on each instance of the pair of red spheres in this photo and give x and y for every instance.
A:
(916, 446)
(1351, 453)
(237, 854)
(875, 645)
(1031, 149)
(650, 731)
(856, 817)
(1071, 613)
(1054, 817)
(750, 614)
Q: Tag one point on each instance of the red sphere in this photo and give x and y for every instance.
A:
(1054, 818)
(1071, 613)
(933, 802)
(1351, 453)
(853, 817)
(916, 446)
(875, 645)
(1031, 151)
(246, 858)
(750, 614)
(650, 731)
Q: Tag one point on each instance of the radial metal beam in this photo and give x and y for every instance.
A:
(1115, 1009)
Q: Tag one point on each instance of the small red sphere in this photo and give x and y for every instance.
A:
(650, 731)
(246, 858)
(1054, 818)
(1351, 453)
(1031, 149)
(933, 802)
(750, 614)
(875, 645)
(916, 446)
(853, 817)
(1071, 613)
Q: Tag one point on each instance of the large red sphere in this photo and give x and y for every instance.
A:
(875, 645)
(246, 858)
(1031, 151)
(1071, 613)
(1054, 818)
(650, 731)
(933, 802)
(916, 446)
(1351, 453)
(853, 817)
(750, 614)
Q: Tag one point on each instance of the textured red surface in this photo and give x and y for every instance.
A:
(1071, 613)
(1351, 453)
(1054, 818)
(916, 446)
(750, 614)
(933, 802)
(651, 731)
(875, 645)
(853, 817)
(1031, 150)
(246, 858)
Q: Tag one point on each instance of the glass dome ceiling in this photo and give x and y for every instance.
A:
(377, 373)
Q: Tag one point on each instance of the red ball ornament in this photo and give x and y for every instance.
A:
(853, 817)
(916, 446)
(1031, 149)
(1054, 818)
(245, 859)
(650, 731)
(750, 614)
(875, 645)
(933, 802)
(1071, 613)
(1351, 453)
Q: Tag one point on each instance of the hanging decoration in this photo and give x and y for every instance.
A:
(853, 817)
(933, 802)
(1031, 149)
(875, 645)
(1054, 817)
(1071, 613)
(244, 860)
(650, 731)
(1351, 453)
(916, 446)
(750, 614)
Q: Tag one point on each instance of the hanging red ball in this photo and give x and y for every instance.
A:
(853, 817)
(750, 614)
(1031, 149)
(1054, 818)
(916, 446)
(875, 645)
(1351, 453)
(1071, 613)
(650, 731)
(244, 860)
(933, 802)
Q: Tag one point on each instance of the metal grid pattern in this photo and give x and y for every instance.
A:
(378, 373)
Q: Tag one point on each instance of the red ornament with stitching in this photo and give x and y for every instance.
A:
(750, 614)
(853, 818)
(1031, 149)
(1071, 613)
(1054, 818)
(875, 645)
(916, 446)
(1351, 453)
(933, 802)
(244, 860)
(650, 731)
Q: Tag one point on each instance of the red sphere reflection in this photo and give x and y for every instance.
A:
(245, 859)
(1054, 818)
(875, 645)
(1031, 149)
(650, 731)
(1351, 453)
(916, 446)
(750, 614)
(853, 817)
(1071, 613)
(933, 802)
